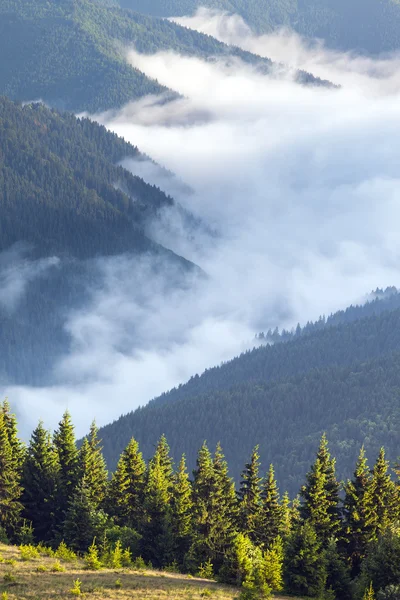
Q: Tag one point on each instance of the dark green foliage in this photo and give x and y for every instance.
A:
(181, 512)
(83, 521)
(40, 484)
(65, 445)
(126, 492)
(382, 564)
(342, 379)
(367, 25)
(270, 525)
(10, 490)
(381, 501)
(92, 467)
(338, 572)
(250, 496)
(17, 448)
(355, 513)
(321, 495)
(305, 563)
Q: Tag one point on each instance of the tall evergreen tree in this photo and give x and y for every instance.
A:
(162, 454)
(92, 466)
(321, 495)
(126, 490)
(250, 496)
(355, 511)
(17, 447)
(83, 521)
(181, 512)
(10, 489)
(39, 482)
(157, 543)
(226, 507)
(380, 498)
(64, 442)
(271, 516)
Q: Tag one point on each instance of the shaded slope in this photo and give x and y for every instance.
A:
(343, 380)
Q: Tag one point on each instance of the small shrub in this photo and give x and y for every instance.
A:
(4, 596)
(390, 592)
(76, 589)
(65, 553)
(3, 536)
(57, 567)
(118, 584)
(1, 559)
(9, 578)
(139, 564)
(115, 558)
(28, 552)
(172, 568)
(10, 561)
(91, 558)
(206, 593)
(45, 550)
(41, 569)
(206, 570)
(25, 535)
(126, 558)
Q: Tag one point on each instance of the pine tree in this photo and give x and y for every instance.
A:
(226, 507)
(250, 496)
(321, 495)
(271, 516)
(126, 491)
(64, 442)
(305, 570)
(380, 498)
(83, 521)
(10, 490)
(369, 593)
(17, 447)
(157, 542)
(355, 510)
(163, 453)
(181, 512)
(39, 482)
(92, 466)
(286, 515)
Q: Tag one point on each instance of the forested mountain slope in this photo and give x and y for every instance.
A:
(71, 53)
(343, 380)
(61, 196)
(367, 25)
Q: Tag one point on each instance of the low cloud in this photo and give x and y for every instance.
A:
(298, 188)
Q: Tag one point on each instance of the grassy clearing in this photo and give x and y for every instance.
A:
(39, 578)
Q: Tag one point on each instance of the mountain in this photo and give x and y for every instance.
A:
(342, 379)
(64, 203)
(370, 26)
(71, 53)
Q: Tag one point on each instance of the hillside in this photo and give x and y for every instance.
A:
(368, 26)
(53, 579)
(61, 209)
(341, 379)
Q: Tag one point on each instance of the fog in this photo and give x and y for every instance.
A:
(297, 189)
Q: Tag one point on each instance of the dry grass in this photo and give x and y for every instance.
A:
(28, 580)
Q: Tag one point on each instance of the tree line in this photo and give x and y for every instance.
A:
(331, 541)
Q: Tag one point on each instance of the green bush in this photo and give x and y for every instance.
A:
(206, 570)
(91, 558)
(65, 553)
(29, 552)
(76, 589)
(57, 567)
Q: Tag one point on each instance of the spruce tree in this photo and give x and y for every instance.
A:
(286, 515)
(380, 498)
(305, 571)
(126, 491)
(250, 496)
(162, 453)
(321, 495)
(181, 512)
(64, 442)
(225, 507)
(355, 512)
(39, 482)
(17, 447)
(271, 515)
(83, 521)
(157, 543)
(10, 489)
(92, 466)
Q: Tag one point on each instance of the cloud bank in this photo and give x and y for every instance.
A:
(300, 191)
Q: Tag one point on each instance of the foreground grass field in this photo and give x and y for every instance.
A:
(38, 579)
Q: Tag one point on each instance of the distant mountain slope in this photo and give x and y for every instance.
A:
(343, 380)
(70, 53)
(61, 196)
(372, 26)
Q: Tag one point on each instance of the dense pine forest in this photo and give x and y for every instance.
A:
(332, 540)
(340, 378)
(368, 26)
(71, 53)
(65, 200)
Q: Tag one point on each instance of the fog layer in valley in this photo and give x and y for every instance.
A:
(297, 189)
